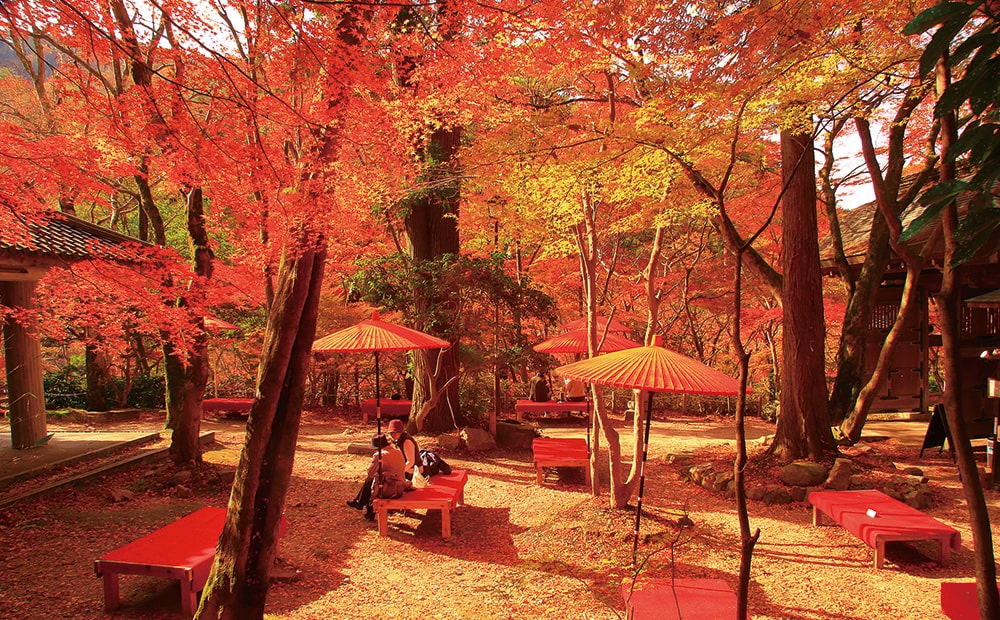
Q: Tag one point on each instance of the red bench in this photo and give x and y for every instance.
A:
(183, 550)
(560, 452)
(960, 601)
(522, 407)
(690, 599)
(445, 493)
(238, 405)
(390, 408)
(876, 519)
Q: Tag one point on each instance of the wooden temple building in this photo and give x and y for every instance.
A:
(913, 382)
(28, 249)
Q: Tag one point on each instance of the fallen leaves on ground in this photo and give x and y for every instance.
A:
(517, 550)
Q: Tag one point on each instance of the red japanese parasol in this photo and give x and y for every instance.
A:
(654, 369)
(576, 342)
(376, 335)
(614, 326)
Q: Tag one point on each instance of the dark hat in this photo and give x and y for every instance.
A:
(396, 426)
(378, 442)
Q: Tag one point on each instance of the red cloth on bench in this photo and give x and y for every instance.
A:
(557, 448)
(226, 404)
(698, 599)
(892, 517)
(960, 601)
(187, 542)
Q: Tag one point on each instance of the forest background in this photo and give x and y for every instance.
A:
(487, 171)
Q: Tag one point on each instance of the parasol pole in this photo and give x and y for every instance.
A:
(642, 478)
(378, 422)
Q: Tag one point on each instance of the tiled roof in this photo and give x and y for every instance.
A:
(59, 235)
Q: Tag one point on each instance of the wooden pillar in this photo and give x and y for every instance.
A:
(23, 356)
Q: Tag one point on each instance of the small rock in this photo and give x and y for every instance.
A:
(121, 495)
(285, 575)
(798, 494)
(477, 440)
(858, 481)
(840, 475)
(180, 477)
(359, 448)
(182, 491)
(802, 474)
(449, 442)
(777, 495)
(755, 493)
(919, 499)
(913, 471)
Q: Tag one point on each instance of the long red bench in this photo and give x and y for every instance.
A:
(237, 405)
(690, 599)
(560, 452)
(522, 407)
(876, 519)
(182, 550)
(445, 493)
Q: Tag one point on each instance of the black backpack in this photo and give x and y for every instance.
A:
(433, 464)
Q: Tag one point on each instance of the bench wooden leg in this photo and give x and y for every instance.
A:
(189, 598)
(111, 593)
(586, 474)
(538, 473)
(817, 516)
(382, 515)
(945, 550)
(445, 522)
(879, 553)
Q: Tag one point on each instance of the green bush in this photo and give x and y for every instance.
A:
(65, 388)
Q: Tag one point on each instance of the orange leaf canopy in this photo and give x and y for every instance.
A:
(375, 334)
(652, 368)
(576, 342)
(581, 323)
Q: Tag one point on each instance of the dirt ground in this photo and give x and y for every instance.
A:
(517, 550)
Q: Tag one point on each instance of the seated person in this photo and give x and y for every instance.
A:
(405, 443)
(393, 483)
(574, 390)
(538, 388)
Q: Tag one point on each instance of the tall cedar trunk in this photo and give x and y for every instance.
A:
(432, 229)
(803, 429)
(186, 382)
(238, 582)
(949, 308)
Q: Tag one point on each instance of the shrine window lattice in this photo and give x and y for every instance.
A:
(883, 316)
(979, 322)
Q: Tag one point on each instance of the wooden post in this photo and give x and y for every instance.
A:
(23, 356)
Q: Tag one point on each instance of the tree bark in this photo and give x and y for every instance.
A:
(432, 231)
(23, 359)
(803, 387)
(96, 368)
(187, 378)
(238, 582)
(949, 309)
